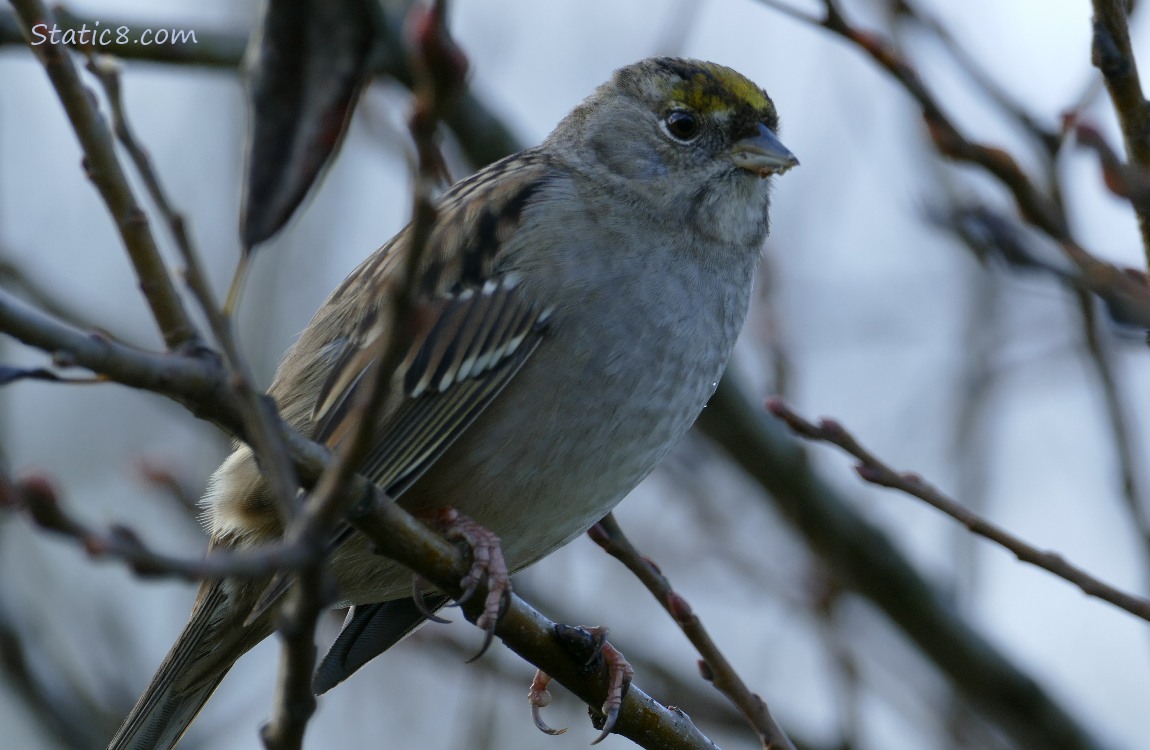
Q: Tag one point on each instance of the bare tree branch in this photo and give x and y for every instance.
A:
(195, 381)
(103, 168)
(872, 470)
(443, 69)
(1104, 279)
(714, 666)
(1112, 54)
(258, 415)
(481, 133)
(36, 496)
(866, 560)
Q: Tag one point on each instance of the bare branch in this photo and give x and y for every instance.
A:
(104, 170)
(1112, 54)
(1120, 178)
(865, 559)
(714, 666)
(872, 470)
(1104, 279)
(1118, 409)
(12, 276)
(1049, 139)
(442, 69)
(36, 496)
(195, 381)
(259, 416)
(524, 630)
(482, 134)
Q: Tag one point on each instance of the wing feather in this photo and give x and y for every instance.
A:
(478, 326)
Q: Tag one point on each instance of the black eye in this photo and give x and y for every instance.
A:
(682, 125)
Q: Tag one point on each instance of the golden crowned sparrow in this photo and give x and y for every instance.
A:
(578, 304)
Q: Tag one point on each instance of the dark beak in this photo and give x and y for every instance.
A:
(763, 153)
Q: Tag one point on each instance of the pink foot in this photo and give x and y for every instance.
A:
(486, 562)
(619, 671)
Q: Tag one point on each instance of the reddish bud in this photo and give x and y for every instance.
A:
(679, 608)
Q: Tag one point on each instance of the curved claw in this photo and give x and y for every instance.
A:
(488, 637)
(621, 674)
(469, 584)
(540, 697)
(542, 725)
(608, 724)
(497, 603)
(417, 589)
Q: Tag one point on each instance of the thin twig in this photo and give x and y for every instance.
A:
(12, 276)
(104, 170)
(196, 382)
(714, 666)
(162, 476)
(524, 630)
(443, 70)
(872, 470)
(36, 496)
(1104, 279)
(483, 136)
(1049, 139)
(1120, 178)
(259, 415)
(400, 536)
(1118, 409)
(1113, 55)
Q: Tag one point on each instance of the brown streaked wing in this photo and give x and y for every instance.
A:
(471, 351)
(480, 327)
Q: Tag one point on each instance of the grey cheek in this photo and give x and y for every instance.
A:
(627, 158)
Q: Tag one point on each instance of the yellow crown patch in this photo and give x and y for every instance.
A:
(707, 87)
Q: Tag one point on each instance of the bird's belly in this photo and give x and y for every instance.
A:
(540, 473)
(609, 398)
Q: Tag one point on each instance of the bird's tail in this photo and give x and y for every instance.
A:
(206, 649)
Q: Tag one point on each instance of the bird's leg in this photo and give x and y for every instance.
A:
(540, 697)
(619, 672)
(486, 562)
